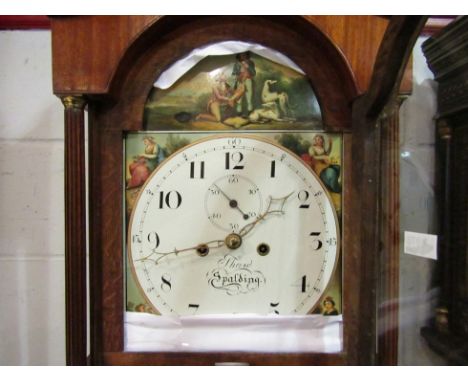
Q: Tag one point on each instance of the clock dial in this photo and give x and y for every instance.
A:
(233, 224)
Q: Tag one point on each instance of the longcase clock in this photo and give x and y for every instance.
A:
(233, 181)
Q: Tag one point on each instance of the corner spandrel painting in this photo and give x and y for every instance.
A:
(243, 91)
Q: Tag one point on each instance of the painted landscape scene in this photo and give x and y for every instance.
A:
(242, 91)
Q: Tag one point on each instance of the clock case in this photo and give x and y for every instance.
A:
(109, 64)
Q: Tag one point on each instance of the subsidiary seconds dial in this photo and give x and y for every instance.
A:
(241, 195)
(233, 224)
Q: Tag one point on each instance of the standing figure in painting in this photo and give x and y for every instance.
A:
(328, 172)
(244, 71)
(220, 101)
(144, 164)
(329, 308)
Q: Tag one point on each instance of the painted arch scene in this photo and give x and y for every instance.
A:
(243, 91)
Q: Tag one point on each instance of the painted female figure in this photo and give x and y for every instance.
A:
(153, 153)
(329, 173)
(329, 308)
(144, 164)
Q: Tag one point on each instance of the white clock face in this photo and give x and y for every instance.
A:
(233, 224)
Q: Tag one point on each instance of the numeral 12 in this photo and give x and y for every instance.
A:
(237, 158)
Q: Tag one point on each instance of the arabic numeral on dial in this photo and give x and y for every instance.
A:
(215, 216)
(194, 307)
(273, 306)
(166, 285)
(172, 199)
(234, 226)
(273, 169)
(303, 197)
(233, 179)
(302, 283)
(153, 239)
(234, 141)
(234, 161)
(332, 241)
(316, 243)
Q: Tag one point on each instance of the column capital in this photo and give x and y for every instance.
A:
(73, 102)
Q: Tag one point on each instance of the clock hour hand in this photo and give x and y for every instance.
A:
(201, 249)
(232, 202)
(275, 206)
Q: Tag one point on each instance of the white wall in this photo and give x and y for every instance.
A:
(32, 316)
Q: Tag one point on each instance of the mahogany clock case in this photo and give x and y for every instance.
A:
(109, 123)
(117, 109)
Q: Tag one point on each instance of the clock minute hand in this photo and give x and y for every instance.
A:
(202, 250)
(271, 209)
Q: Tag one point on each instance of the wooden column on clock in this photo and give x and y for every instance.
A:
(354, 63)
(75, 229)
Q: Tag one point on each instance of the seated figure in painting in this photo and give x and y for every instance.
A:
(322, 165)
(327, 168)
(139, 172)
(144, 163)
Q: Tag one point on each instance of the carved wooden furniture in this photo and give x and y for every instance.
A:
(110, 64)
